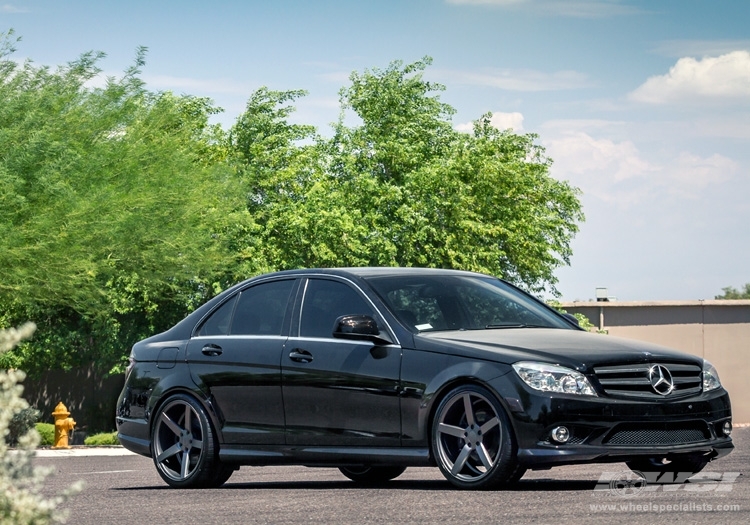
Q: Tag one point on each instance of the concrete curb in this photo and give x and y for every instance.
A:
(82, 451)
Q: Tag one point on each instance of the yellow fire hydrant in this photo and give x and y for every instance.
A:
(63, 425)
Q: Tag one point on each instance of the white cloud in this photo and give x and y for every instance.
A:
(517, 79)
(600, 167)
(718, 78)
(619, 174)
(487, 2)
(503, 121)
(499, 120)
(336, 77)
(10, 8)
(197, 85)
(699, 48)
(569, 8)
(690, 173)
(561, 126)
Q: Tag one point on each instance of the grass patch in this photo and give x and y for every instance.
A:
(107, 438)
(46, 433)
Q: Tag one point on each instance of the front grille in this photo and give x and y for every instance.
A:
(633, 380)
(658, 434)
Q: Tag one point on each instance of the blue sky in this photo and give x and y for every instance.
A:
(643, 105)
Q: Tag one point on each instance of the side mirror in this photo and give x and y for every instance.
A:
(359, 328)
(572, 318)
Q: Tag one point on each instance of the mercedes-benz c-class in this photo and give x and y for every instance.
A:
(373, 370)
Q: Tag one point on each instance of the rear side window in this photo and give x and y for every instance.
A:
(219, 321)
(261, 309)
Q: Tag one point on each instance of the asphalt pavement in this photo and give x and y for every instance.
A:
(121, 487)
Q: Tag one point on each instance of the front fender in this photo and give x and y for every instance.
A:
(426, 377)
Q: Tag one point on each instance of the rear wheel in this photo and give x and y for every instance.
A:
(369, 475)
(673, 470)
(184, 447)
(472, 440)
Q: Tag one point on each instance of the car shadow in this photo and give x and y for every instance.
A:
(534, 485)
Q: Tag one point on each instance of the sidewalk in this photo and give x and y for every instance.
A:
(80, 451)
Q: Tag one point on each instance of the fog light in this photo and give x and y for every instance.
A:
(727, 428)
(560, 434)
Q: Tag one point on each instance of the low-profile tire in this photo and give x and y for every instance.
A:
(371, 475)
(517, 475)
(674, 470)
(184, 447)
(472, 441)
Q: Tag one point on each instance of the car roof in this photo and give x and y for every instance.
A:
(375, 271)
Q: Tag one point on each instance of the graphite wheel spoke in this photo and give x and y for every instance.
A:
(185, 465)
(468, 409)
(174, 427)
(171, 451)
(461, 460)
(451, 430)
(484, 457)
(492, 423)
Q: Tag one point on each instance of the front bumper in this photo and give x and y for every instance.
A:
(606, 429)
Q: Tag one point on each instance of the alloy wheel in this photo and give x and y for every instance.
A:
(472, 441)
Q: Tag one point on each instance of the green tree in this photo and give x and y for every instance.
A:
(402, 187)
(116, 210)
(733, 293)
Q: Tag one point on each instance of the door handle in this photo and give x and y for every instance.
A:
(212, 350)
(300, 356)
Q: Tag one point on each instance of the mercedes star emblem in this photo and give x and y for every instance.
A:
(661, 379)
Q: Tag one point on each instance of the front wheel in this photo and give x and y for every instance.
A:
(472, 440)
(184, 447)
(369, 475)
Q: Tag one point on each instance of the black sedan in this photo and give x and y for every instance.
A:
(373, 370)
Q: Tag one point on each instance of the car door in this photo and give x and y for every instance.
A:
(235, 357)
(337, 391)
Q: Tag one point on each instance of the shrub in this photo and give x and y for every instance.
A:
(21, 495)
(107, 438)
(46, 433)
(583, 321)
(21, 423)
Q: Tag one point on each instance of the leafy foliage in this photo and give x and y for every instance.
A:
(21, 423)
(583, 321)
(123, 209)
(403, 187)
(113, 205)
(21, 498)
(733, 293)
(46, 433)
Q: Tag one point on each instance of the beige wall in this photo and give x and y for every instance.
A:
(715, 330)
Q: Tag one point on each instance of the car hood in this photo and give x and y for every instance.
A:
(573, 348)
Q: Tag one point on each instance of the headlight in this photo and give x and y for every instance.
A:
(553, 378)
(710, 377)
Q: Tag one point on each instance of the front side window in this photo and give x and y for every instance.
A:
(324, 302)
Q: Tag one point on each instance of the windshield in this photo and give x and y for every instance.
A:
(459, 302)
